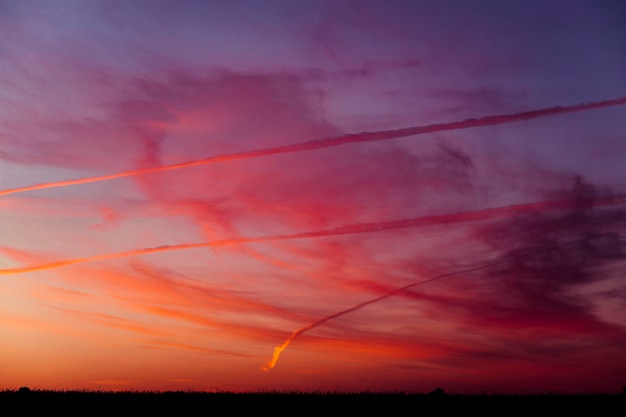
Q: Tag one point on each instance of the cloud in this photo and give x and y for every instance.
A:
(392, 182)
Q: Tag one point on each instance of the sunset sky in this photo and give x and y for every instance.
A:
(313, 195)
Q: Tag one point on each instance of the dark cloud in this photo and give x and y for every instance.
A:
(546, 255)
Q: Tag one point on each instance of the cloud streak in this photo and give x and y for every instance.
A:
(538, 257)
(337, 141)
(423, 221)
(297, 333)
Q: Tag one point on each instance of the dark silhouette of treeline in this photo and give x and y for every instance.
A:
(25, 400)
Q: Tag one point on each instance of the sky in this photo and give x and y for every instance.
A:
(313, 195)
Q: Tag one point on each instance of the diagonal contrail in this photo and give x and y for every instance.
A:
(296, 333)
(433, 220)
(336, 141)
(269, 365)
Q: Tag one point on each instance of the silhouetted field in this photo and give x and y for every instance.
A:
(212, 402)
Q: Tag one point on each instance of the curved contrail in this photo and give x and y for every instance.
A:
(296, 333)
(336, 141)
(433, 220)
(269, 365)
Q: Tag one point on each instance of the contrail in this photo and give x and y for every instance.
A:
(269, 365)
(336, 141)
(296, 333)
(441, 219)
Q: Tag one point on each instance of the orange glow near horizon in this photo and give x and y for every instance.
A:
(321, 197)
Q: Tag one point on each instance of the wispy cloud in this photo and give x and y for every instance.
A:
(405, 195)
